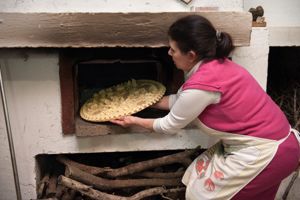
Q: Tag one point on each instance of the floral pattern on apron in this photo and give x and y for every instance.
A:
(229, 165)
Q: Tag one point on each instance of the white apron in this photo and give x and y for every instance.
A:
(229, 165)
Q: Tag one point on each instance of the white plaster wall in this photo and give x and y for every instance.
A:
(255, 57)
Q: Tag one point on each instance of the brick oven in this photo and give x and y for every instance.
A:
(52, 63)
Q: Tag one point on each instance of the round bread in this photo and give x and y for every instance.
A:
(122, 100)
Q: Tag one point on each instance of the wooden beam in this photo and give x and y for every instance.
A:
(60, 30)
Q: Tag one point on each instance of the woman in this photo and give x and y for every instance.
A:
(257, 147)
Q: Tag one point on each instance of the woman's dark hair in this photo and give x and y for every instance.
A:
(196, 33)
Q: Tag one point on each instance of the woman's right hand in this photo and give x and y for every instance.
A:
(132, 120)
(124, 121)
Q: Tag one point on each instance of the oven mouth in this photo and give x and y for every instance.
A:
(97, 75)
(91, 70)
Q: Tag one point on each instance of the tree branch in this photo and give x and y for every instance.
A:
(97, 195)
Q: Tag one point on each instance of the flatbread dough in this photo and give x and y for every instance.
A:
(122, 100)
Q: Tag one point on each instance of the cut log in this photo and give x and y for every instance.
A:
(69, 194)
(42, 185)
(181, 157)
(107, 184)
(52, 185)
(161, 174)
(60, 189)
(89, 169)
(97, 195)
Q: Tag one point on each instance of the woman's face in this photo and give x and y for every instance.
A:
(183, 61)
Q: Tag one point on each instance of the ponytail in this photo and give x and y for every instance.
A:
(224, 44)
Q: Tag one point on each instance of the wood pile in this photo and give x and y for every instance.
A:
(287, 99)
(155, 178)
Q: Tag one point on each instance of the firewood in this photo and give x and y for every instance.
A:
(69, 194)
(181, 157)
(107, 184)
(42, 185)
(154, 191)
(90, 169)
(288, 100)
(51, 189)
(60, 190)
(161, 174)
(98, 195)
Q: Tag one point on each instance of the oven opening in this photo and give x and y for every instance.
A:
(96, 75)
(95, 69)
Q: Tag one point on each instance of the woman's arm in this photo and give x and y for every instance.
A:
(188, 106)
(166, 103)
(162, 104)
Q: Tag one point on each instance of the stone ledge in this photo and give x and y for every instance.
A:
(61, 30)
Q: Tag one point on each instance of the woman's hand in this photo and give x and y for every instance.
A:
(124, 121)
(132, 120)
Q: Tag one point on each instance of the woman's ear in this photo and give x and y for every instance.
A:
(192, 56)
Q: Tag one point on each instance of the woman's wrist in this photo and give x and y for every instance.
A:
(146, 123)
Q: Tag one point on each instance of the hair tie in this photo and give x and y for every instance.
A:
(218, 35)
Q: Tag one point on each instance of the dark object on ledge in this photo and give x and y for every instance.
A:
(256, 12)
(257, 17)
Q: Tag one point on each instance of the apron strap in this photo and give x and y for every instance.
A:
(296, 133)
